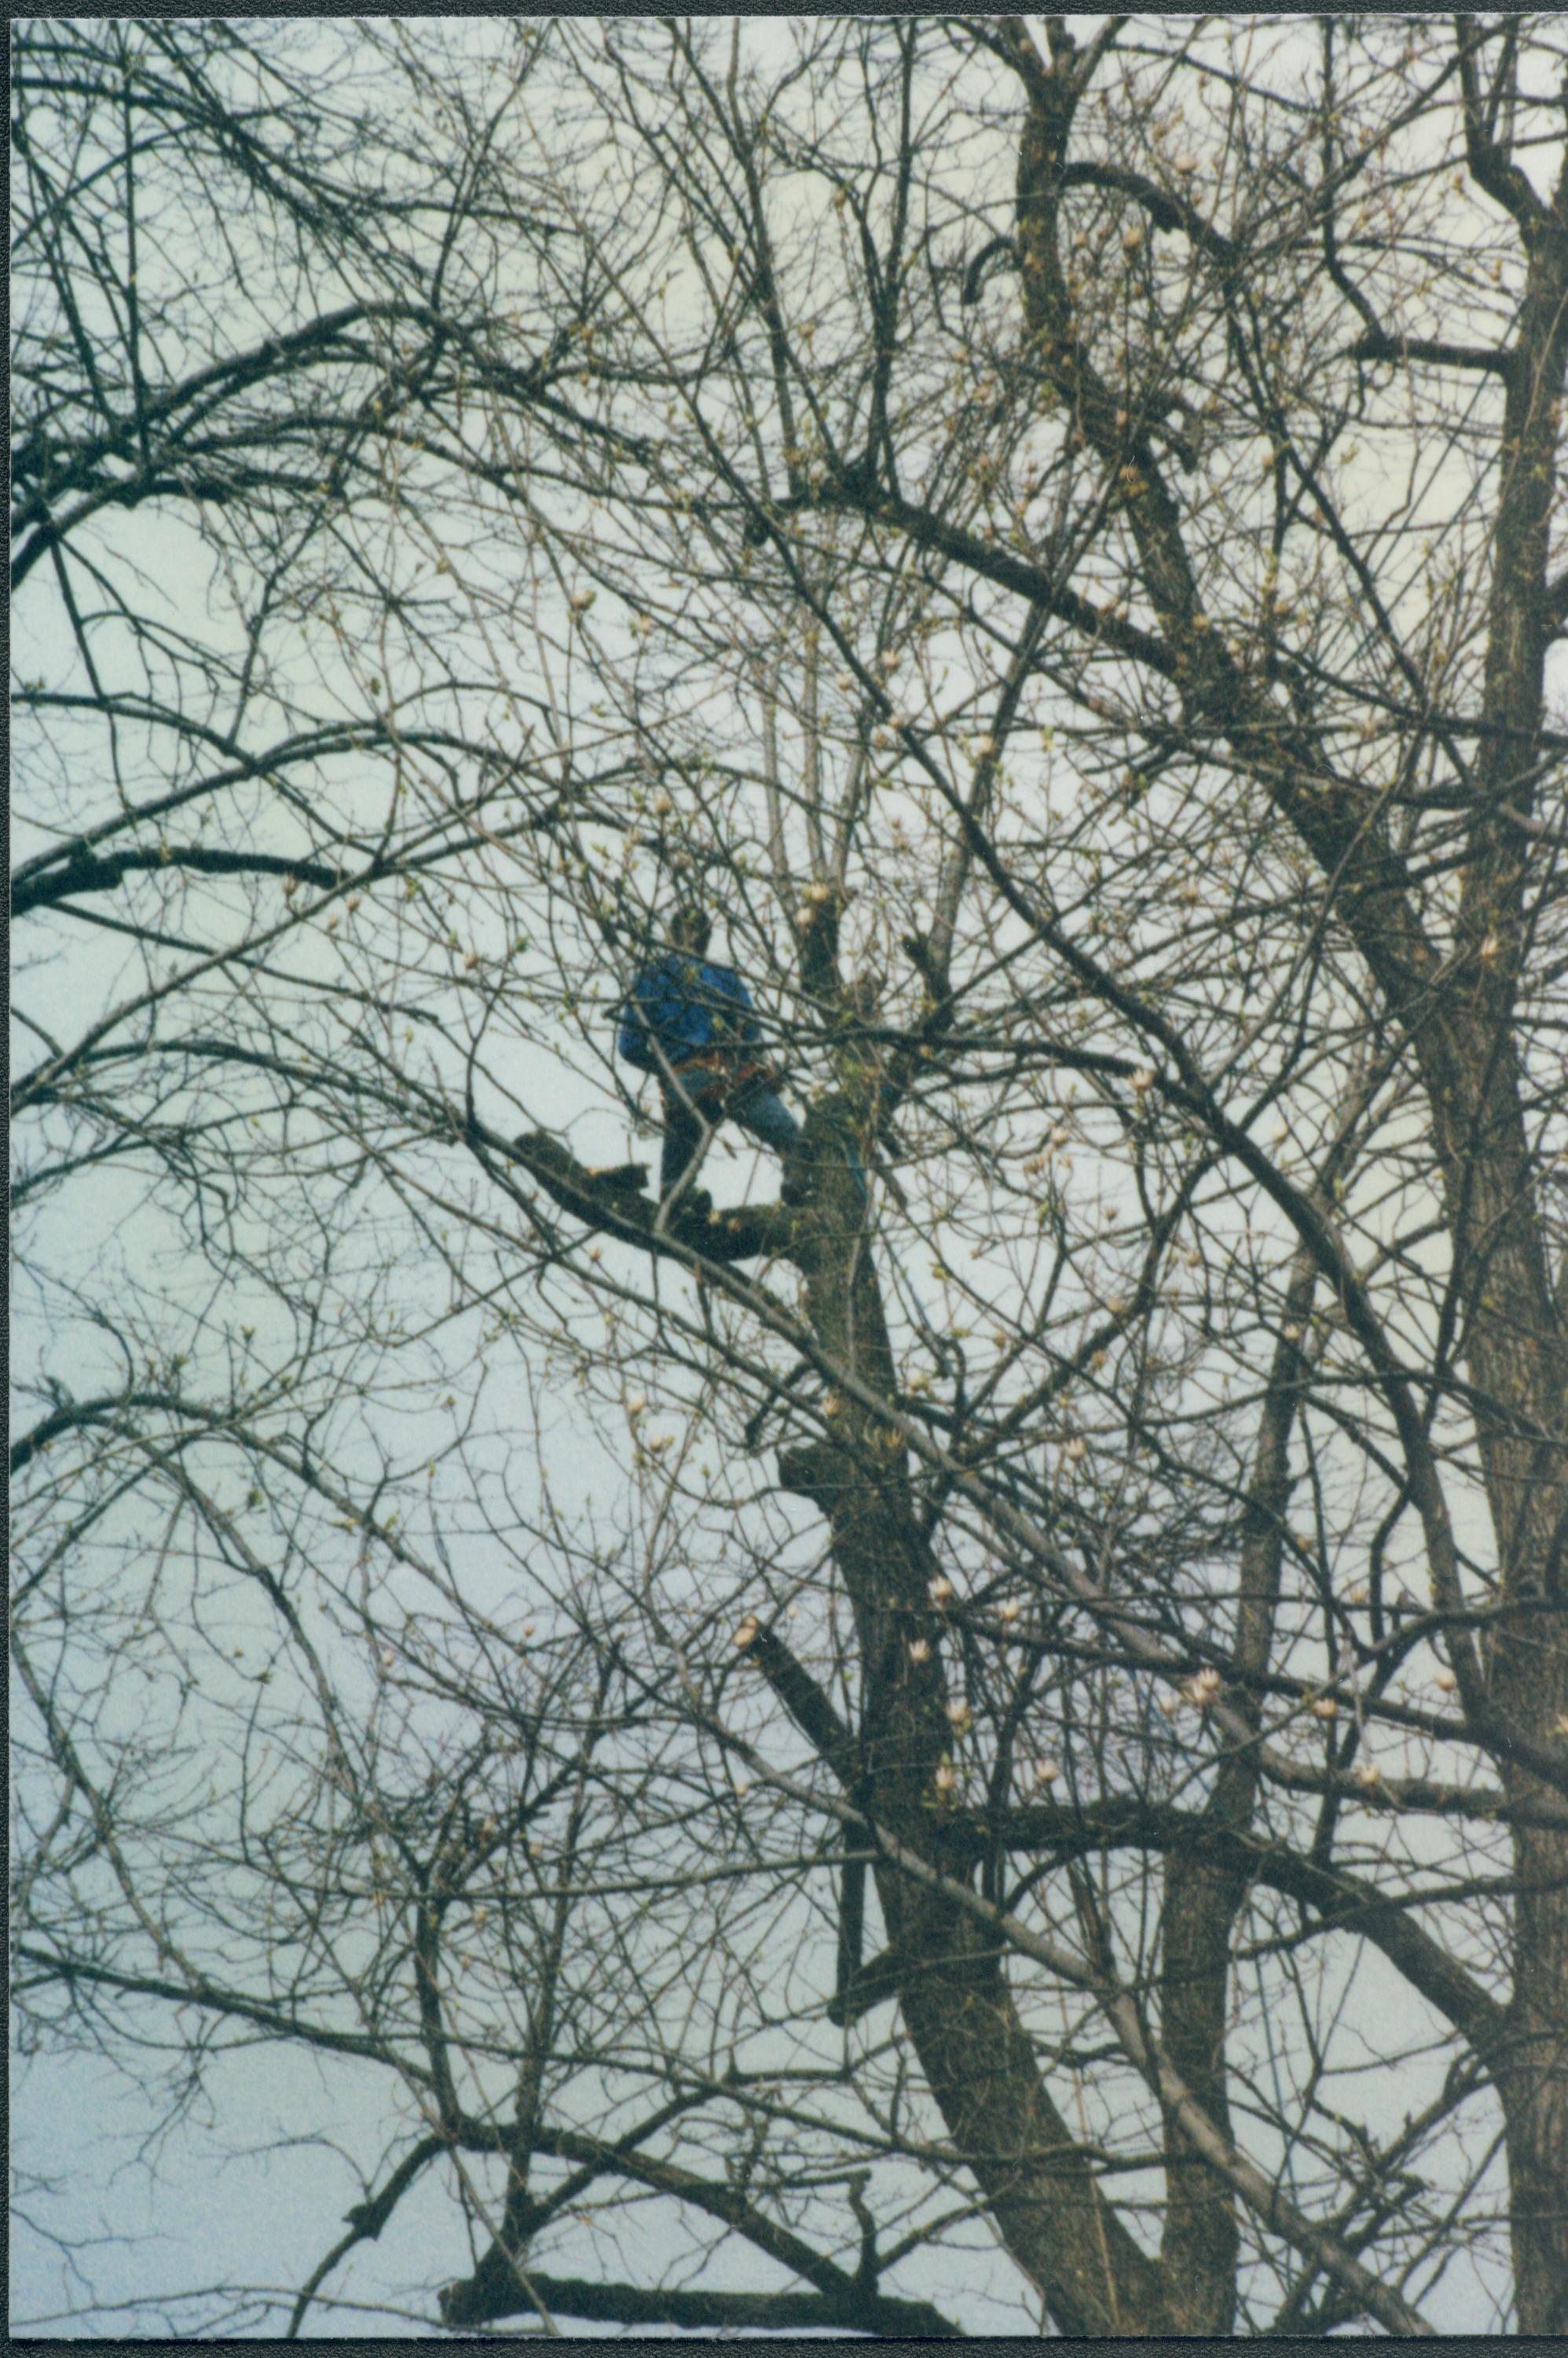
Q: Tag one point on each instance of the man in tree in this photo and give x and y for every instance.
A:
(692, 1022)
(1197, 800)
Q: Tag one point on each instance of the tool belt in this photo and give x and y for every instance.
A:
(714, 1076)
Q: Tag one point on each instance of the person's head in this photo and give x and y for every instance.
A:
(691, 929)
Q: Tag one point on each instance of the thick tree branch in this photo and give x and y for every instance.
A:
(1378, 345)
(806, 1702)
(1490, 165)
(493, 2290)
(1036, 582)
(1342, 1902)
(607, 1206)
(84, 874)
(201, 1991)
(1263, 2195)
(882, 2314)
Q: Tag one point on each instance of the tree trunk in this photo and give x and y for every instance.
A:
(1512, 1339)
(1458, 1016)
(973, 2050)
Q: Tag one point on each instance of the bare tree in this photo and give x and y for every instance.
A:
(1054, 543)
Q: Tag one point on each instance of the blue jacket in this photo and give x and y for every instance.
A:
(686, 1005)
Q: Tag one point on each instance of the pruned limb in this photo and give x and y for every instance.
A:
(736, 2312)
(839, 2297)
(1375, 345)
(806, 1704)
(867, 1987)
(605, 1201)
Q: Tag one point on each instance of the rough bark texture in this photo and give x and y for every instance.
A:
(1513, 1341)
(975, 2056)
(1459, 1027)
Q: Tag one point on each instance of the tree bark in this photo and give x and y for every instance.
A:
(1513, 1339)
(1459, 1023)
(973, 2050)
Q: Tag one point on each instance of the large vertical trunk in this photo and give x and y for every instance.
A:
(1514, 1356)
(1513, 1340)
(973, 2048)
(1458, 1014)
(1199, 2248)
(1533, 2079)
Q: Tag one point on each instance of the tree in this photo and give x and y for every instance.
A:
(1056, 543)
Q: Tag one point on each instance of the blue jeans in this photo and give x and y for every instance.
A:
(758, 1110)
